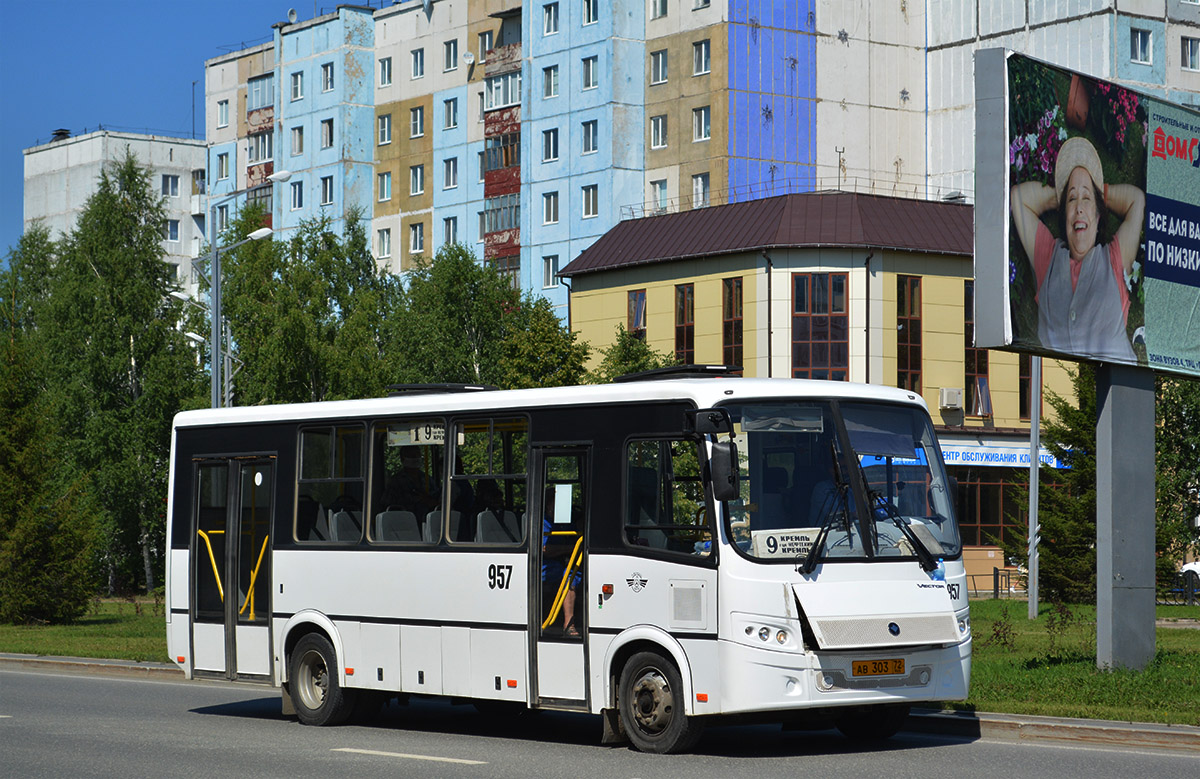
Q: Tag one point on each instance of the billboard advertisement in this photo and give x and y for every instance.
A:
(1087, 237)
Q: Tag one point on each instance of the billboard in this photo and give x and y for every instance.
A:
(1087, 223)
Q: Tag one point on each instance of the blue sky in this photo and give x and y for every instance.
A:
(123, 64)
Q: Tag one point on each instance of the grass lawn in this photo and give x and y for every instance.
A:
(1047, 666)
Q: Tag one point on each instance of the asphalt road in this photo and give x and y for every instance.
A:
(57, 724)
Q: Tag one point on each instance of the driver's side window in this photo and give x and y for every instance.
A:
(665, 506)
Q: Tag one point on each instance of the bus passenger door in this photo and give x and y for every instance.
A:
(558, 623)
(231, 561)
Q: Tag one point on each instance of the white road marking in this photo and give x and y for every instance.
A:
(411, 757)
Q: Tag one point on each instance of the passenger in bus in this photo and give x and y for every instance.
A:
(410, 489)
(555, 557)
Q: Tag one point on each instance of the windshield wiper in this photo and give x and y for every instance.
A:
(829, 515)
(924, 555)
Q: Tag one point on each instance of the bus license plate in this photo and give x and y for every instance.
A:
(893, 665)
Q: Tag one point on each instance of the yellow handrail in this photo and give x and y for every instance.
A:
(253, 577)
(575, 561)
(213, 560)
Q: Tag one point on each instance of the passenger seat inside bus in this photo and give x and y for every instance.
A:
(491, 528)
(345, 526)
(397, 526)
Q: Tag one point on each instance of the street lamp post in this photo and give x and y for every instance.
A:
(216, 341)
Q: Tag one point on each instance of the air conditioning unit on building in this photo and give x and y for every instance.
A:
(950, 397)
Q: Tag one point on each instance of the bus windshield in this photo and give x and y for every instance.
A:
(798, 489)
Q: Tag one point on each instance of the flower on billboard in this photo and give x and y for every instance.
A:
(1116, 111)
(1032, 154)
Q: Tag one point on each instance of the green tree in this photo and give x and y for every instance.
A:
(121, 367)
(627, 354)
(453, 321)
(47, 537)
(1177, 466)
(539, 350)
(308, 316)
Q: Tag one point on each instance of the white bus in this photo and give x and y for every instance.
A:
(663, 552)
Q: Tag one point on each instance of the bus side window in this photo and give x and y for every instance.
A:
(664, 498)
(330, 490)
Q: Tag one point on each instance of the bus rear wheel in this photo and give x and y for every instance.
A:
(873, 723)
(650, 699)
(316, 694)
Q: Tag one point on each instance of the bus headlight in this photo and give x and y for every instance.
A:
(764, 634)
(781, 637)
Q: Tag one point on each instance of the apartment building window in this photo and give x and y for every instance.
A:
(820, 326)
(327, 77)
(550, 270)
(502, 91)
(298, 85)
(701, 54)
(701, 123)
(1024, 385)
(550, 18)
(658, 67)
(550, 82)
(482, 225)
(222, 218)
(698, 4)
(223, 166)
(385, 71)
(416, 122)
(1189, 54)
(260, 92)
(171, 230)
(700, 190)
(297, 195)
(450, 173)
(450, 114)
(418, 63)
(222, 113)
(635, 322)
(482, 165)
(908, 333)
(510, 269)
(591, 76)
(170, 185)
(591, 136)
(326, 133)
(550, 208)
(685, 323)
(383, 241)
(327, 190)
(385, 129)
(658, 194)
(550, 145)
(1139, 46)
(450, 230)
(731, 321)
(977, 397)
(658, 131)
(503, 151)
(416, 180)
(416, 238)
(260, 148)
(485, 43)
(450, 55)
(297, 140)
(658, 9)
(481, 107)
(591, 201)
(502, 212)
(261, 197)
(385, 186)
(591, 12)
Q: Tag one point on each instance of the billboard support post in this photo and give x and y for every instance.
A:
(1035, 444)
(1125, 512)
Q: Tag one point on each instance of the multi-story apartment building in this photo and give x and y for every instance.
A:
(61, 175)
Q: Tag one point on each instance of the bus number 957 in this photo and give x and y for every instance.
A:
(499, 577)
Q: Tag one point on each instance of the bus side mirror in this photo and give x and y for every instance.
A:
(722, 465)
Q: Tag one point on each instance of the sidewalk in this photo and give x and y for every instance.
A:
(971, 725)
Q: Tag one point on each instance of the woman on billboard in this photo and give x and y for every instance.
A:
(1083, 302)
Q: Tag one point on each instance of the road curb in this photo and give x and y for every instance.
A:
(1014, 727)
(961, 724)
(92, 666)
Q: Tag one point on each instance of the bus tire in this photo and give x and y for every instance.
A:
(317, 695)
(873, 723)
(650, 699)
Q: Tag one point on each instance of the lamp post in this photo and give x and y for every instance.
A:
(216, 341)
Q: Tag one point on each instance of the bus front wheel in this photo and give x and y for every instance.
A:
(650, 699)
(316, 694)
